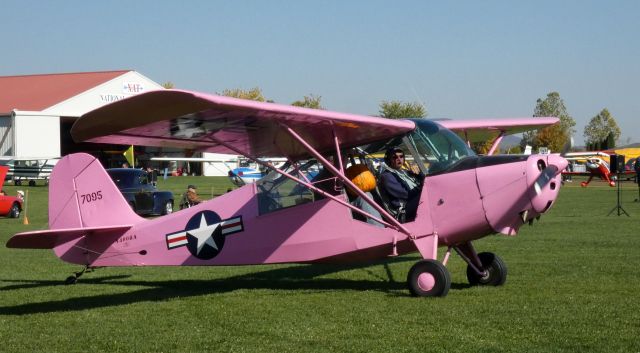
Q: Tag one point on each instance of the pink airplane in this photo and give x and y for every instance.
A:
(292, 215)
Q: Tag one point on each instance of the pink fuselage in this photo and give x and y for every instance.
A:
(481, 196)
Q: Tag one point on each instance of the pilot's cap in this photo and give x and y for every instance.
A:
(191, 186)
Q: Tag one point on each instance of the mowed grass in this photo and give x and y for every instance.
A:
(573, 286)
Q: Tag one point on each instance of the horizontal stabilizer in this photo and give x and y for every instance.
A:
(49, 239)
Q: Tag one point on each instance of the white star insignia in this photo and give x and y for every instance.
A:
(204, 234)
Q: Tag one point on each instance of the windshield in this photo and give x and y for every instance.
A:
(438, 147)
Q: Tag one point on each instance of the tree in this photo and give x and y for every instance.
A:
(168, 85)
(254, 94)
(514, 150)
(602, 131)
(484, 147)
(400, 110)
(554, 137)
(310, 101)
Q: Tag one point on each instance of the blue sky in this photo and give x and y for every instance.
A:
(462, 59)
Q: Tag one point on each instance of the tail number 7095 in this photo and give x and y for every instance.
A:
(91, 197)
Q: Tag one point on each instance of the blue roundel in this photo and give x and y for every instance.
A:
(204, 235)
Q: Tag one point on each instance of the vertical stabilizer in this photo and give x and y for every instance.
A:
(81, 194)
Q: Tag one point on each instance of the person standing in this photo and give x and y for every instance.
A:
(190, 198)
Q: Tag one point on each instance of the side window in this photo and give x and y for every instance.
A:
(276, 191)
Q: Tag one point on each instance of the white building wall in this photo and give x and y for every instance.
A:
(36, 135)
(221, 164)
(123, 86)
(6, 136)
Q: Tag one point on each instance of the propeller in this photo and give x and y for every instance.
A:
(550, 171)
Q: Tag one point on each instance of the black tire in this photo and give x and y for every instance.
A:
(32, 183)
(429, 278)
(15, 210)
(71, 280)
(495, 267)
(17, 182)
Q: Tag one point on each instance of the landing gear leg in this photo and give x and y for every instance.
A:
(584, 184)
(73, 279)
(484, 268)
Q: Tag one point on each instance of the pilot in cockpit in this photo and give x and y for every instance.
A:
(402, 186)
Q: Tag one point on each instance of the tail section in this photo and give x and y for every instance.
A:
(86, 210)
(81, 194)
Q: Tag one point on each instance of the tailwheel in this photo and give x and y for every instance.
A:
(429, 278)
(495, 271)
(74, 278)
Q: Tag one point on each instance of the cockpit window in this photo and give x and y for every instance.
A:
(438, 147)
(276, 191)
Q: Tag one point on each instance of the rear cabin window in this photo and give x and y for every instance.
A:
(275, 191)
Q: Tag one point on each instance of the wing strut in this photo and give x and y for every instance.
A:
(337, 142)
(496, 142)
(397, 225)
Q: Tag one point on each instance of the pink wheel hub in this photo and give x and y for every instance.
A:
(426, 281)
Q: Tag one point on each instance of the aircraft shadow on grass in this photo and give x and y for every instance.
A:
(302, 277)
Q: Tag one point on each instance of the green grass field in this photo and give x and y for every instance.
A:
(573, 286)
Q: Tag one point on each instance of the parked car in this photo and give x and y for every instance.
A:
(10, 206)
(141, 194)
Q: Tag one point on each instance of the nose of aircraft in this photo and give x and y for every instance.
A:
(544, 178)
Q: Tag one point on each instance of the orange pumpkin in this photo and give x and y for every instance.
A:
(362, 177)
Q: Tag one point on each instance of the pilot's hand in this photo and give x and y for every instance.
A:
(414, 169)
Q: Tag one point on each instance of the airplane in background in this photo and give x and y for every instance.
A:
(287, 217)
(241, 171)
(29, 169)
(594, 164)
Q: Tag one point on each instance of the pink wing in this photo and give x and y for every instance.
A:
(190, 120)
(489, 129)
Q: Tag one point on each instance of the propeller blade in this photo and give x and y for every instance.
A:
(567, 146)
(545, 177)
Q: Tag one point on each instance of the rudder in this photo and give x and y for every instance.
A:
(81, 194)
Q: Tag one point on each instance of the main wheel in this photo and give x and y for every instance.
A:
(496, 271)
(32, 183)
(429, 278)
(15, 211)
(168, 207)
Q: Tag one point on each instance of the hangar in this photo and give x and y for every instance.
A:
(37, 111)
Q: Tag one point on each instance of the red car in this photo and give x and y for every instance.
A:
(10, 206)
